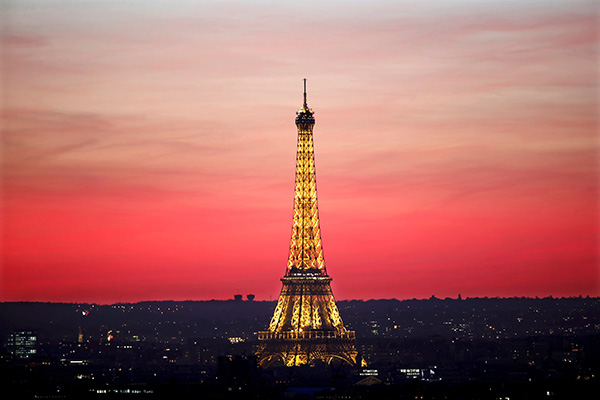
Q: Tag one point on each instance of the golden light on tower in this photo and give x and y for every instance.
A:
(306, 325)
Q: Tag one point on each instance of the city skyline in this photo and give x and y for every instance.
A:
(148, 148)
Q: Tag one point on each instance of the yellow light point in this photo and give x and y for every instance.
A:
(306, 325)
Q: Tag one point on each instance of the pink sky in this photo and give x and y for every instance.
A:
(148, 147)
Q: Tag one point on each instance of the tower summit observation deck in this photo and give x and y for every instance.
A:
(306, 326)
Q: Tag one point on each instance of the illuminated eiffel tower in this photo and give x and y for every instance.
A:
(306, 325)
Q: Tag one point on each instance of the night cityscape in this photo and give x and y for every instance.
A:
(471, 348)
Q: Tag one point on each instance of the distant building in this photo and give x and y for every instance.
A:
(238, 297)
(250, 297)
(369, 381)
(22, 344)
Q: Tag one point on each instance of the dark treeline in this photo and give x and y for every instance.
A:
(157, 320)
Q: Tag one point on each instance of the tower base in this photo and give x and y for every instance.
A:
(300, 348)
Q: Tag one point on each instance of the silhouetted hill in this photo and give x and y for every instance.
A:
(159, 320)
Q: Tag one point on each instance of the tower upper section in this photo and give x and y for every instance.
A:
(306, 251)
(305, 119)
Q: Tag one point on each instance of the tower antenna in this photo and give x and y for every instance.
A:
(305, 105)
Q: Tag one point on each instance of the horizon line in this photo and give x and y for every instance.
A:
(274, 301)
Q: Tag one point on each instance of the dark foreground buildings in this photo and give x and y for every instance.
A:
(515, 348)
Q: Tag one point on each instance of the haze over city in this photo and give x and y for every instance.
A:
(148, 148)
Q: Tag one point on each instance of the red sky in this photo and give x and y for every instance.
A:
(148, 147)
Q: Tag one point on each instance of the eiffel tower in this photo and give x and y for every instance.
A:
(306, 326)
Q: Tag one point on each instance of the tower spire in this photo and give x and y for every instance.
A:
(305, 104)
(305, 116)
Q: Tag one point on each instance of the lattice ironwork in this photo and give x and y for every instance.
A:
(306, 325)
